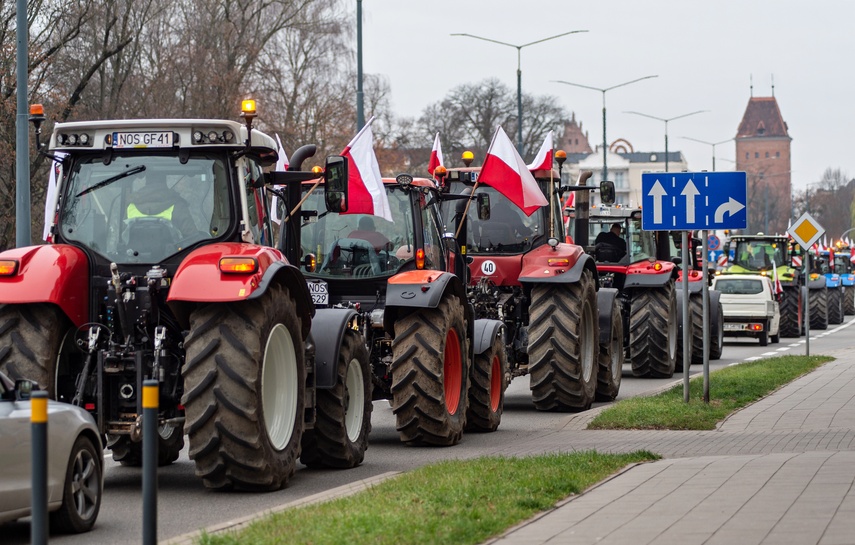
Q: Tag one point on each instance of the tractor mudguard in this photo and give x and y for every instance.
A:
(199, 279)
(420, 289)
(328, 326)
(484, 333)
(649, 277)
(50, 273)
(816, 283)
(546, 274)
(605, 300)
(832, 281)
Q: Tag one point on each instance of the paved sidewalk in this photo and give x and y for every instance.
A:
(781, 471)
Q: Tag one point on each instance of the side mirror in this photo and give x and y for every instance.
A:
(607, 192)
(483, 200)
(25, 388)
(335, 180)
(677, 260)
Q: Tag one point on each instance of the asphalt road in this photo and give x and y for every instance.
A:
(185, 505)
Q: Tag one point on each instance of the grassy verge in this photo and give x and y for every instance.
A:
(461, 502)
(730, 389)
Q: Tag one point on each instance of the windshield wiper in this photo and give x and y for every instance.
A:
(110, 180)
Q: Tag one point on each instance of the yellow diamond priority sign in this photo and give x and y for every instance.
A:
(806, 231)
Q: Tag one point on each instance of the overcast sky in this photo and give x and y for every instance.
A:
(704, 53)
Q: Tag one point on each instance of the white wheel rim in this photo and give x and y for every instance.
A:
(587, 339)
(354, 400)
(279, 386)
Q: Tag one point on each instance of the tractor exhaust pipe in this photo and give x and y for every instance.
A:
(583, 206)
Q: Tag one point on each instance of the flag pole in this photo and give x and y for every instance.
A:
(466, 210)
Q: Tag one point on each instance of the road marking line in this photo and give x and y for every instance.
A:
(784, 349)
(769, 353)
(795, 344)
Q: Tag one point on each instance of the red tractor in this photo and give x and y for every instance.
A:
(561, 327)
(160, 267)
(441, 368)
(631, 261)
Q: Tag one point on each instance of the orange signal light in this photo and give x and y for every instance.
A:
(317, 170)
(420, 259)
(657, 267)
(559, 262)
(37, 109)
(8, 267)
(238, 265)
(247, 106)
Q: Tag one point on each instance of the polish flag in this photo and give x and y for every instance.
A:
(543, 159)
(571, 200)
(852, 254)
(281, 166)
(366, 194)
(507, 173)
(52, 194)
(435, 155)
(776, 282)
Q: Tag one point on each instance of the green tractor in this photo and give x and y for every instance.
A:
(769, 255)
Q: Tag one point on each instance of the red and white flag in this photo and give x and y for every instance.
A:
(543, 159)
(571, 200)
(852, 254)
(281, 166)
(435, 155)
(366, 194)
(506, 172)
(776, 282)
(51, 194)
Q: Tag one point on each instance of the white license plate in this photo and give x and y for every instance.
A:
(142, 139)
(734, 327)
(320, 292)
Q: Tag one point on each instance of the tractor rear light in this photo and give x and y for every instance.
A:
(694, 274)
(89, 406)
(560, 262)
(238, 265)
(657, 267)
(8, 267)
(310, 262)
(420, 258)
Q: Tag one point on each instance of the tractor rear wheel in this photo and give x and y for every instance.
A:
(170, 441)
(653, 331)
(564, 345)
(340, 436)
(790, 322)
(610, 359)
(487, 390)
(244, 391)
(696, 309)
(835, 306)
(849, 300)
(30, 339)
(818, 300)
(430, 373)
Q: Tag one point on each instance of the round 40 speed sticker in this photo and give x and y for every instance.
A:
(488, 267)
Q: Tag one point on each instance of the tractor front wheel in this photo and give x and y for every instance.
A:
(244, 391)
(611, 357)
(564, 345)
(430, 373)
(487, 390)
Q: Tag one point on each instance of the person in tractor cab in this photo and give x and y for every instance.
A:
(759, 259)
(366, 230)
(610, 245)
(157, 200)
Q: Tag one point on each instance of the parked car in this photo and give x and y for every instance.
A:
(75, 461)
(750, 307)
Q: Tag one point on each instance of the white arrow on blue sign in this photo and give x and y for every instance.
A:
(685, 201)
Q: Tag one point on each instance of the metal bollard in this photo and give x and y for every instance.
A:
(149, 448)
(38, 457)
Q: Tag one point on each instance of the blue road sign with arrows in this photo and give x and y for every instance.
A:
(685, 201)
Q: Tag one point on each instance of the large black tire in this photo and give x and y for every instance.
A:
(340, 436)
(717, 333)
(129, 453)
(244, 391)
(653, 332)
(694, 330)
(564, 345)
(611, 358)
(835, 306)
(30, 339)
(790, 316)
(696, 309)
(849, 300)
(487, 389)
(430, 374)
(81, 490)
(818, 300)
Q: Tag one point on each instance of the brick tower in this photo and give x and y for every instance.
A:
(763, 152)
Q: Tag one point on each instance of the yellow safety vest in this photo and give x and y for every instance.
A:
(134, 212)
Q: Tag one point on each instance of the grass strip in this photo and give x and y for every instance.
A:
(461, 502)
(731, 388)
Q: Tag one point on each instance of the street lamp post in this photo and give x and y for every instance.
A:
(666, 126)
(360, 96)
(603, 90)
(709, 144)
(519, 73)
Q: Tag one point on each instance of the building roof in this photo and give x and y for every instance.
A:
(762, 118)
